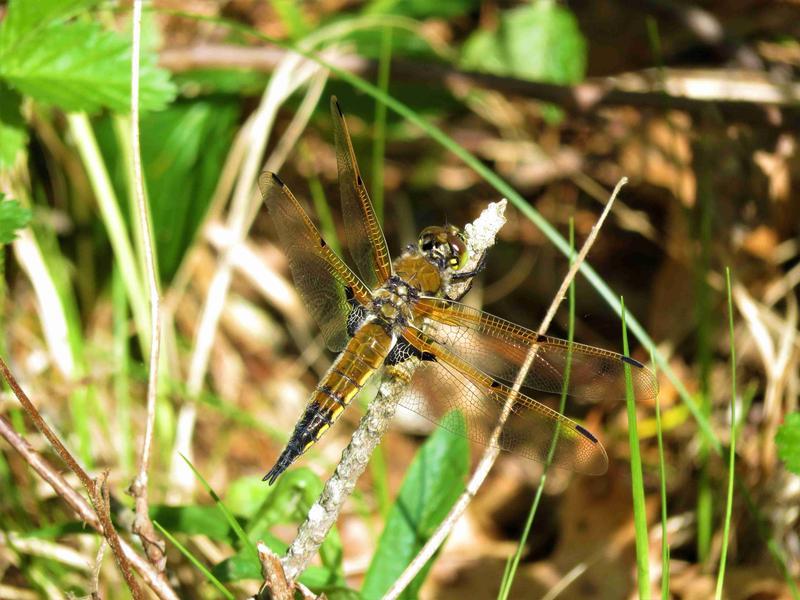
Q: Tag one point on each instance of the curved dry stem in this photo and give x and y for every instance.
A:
(323, 514)
(97, 515)
(142, 525)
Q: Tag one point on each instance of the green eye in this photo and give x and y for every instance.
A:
(460, 255)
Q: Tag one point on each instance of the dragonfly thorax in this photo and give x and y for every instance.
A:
(392, 301)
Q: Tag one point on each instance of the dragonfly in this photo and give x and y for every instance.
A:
(393, 311)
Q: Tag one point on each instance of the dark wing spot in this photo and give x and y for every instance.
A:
(359, 181)
(541, 338)
(348, 293)
(278, 179)
(322, 243)
(632, 361)
(495, 384)
(586, 434)
(335, 102)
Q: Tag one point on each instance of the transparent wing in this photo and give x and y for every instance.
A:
(323, 280)
(365, 239)
(500, 349)
(532, 429)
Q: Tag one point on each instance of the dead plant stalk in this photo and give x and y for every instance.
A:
(154, 547)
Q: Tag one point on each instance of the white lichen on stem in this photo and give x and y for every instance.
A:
(480, 236)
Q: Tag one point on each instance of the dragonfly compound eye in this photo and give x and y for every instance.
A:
(458, 252)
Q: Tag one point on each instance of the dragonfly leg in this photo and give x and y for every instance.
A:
(456, 277)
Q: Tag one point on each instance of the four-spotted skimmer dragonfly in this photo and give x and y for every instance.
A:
(394, 310)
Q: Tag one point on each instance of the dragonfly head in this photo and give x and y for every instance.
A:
(444, 246)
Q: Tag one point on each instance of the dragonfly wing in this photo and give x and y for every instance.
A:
(365, 239)
(437, 387)
(501, 349)
(323, 280)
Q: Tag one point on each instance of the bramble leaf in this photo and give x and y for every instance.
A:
(74, 65)
(540, 42)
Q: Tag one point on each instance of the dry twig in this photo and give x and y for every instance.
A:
(142, 525)
(739, 96)
(98, 516)
(275, 583)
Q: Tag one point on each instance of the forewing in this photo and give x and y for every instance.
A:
(323, 280)
(365, 239)
(532, 429)
(501, 348)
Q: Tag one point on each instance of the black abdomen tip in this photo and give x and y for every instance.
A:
(274, 473)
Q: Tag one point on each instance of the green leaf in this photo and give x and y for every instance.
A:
(540, 42)
(80, 67)
(182, 150)
(13, 135)
(242, 566)
(193, 520)
(788, 441)
(12, 217)
(25, 18)
(432, 484)
(423, 9)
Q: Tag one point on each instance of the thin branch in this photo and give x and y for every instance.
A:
(154, 580)
(741, 96)
(142, 525)
(100, 514)
(490, 455)
(323, 514)
(275, 583)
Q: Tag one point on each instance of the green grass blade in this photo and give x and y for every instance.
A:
(732, 452)
(705, 320)
(513, 564)
(196, 562)
(111, 215)
(637, 480)
(121, 377)
(379, 147)
(663, 487)
(235, 526)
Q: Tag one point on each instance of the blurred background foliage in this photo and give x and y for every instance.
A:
(696, 103)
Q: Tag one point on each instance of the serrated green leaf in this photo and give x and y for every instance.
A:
(539, 42)
(81, 67)
(13, 216)
(13, 134)
(788, 442)
(431, 486)
(25, 18)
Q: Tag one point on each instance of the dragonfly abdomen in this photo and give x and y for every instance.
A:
(363, 355)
